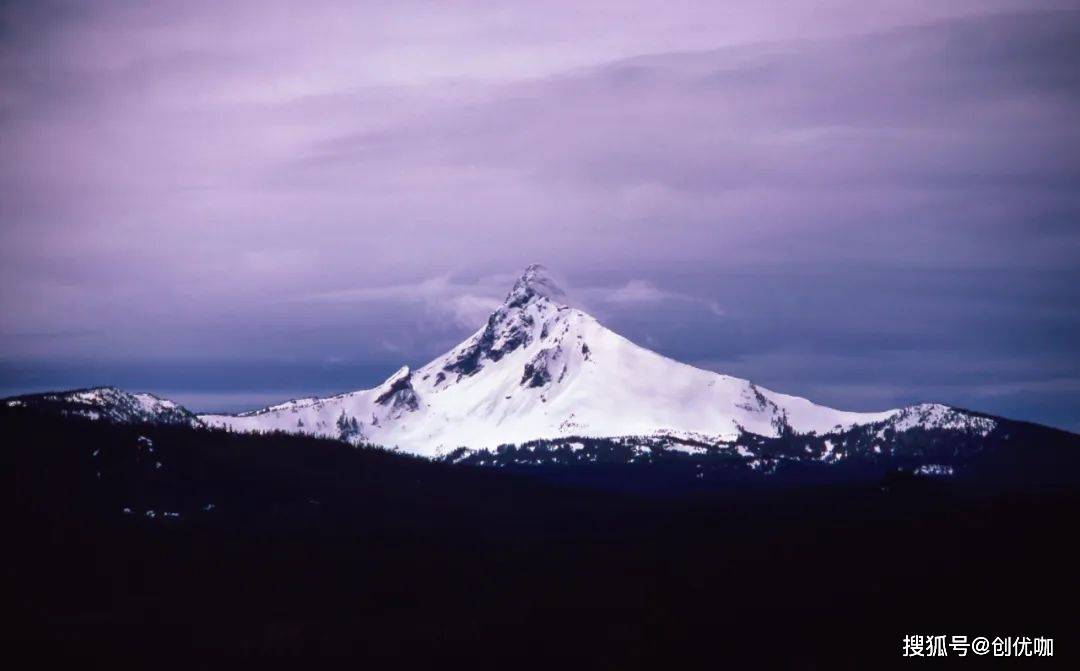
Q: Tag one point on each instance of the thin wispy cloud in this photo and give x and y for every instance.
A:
(467, 304)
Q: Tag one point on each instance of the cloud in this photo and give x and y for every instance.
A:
(243, 180)
(637, 291)
(467, 304)
(641, 293)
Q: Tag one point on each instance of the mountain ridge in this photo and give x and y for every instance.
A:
(110, 404)
(541, 372)
(542, 369)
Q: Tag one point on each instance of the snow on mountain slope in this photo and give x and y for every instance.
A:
(540, 369)
(112, 404)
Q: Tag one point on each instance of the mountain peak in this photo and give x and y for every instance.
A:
(535, 282)
(112, 404)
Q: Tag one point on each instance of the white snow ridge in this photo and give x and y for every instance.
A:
(540, 369)
(115, 405)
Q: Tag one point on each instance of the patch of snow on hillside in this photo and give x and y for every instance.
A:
(830, 452)
(688, 449)
(935, 470)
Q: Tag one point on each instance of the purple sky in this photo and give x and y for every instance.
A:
(868, 203)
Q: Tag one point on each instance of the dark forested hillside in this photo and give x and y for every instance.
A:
(179, 547)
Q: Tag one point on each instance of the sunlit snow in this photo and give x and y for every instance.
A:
(541, 369)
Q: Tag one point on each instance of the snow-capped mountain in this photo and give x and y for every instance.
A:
(111, 404)
(540, 369)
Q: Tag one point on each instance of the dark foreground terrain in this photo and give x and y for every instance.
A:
(292, 552)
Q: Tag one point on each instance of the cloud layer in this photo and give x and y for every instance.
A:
(870, 205)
